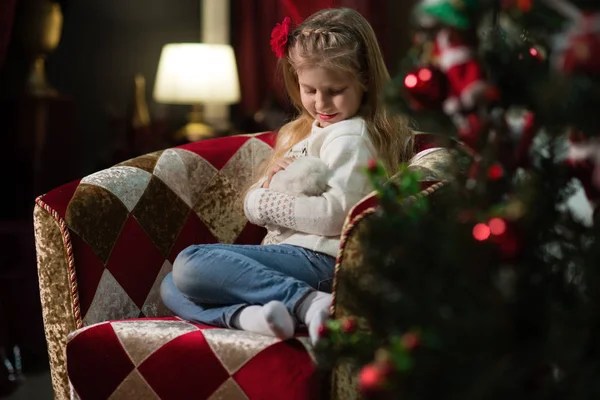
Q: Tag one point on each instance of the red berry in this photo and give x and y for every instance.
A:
(349, 325)
(372, 165)
(323, 330)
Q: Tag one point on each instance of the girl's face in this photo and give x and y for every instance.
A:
(329, 97)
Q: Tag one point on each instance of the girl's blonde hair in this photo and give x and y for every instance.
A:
(341, 40)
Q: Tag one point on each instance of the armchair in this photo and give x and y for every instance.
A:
(105, 242)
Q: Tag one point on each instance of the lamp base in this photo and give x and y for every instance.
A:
(195, 129)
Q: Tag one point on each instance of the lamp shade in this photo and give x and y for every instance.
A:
(193, 73)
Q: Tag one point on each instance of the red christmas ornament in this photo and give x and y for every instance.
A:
(349, 325)
(495, 172)
(481, 232)
(372, 379)
(497, 226)
(426, 87)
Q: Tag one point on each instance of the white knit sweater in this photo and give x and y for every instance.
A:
(316, 222)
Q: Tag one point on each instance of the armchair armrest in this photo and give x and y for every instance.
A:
(105, 242)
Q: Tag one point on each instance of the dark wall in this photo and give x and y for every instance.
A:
(398, 29)
(106, 42)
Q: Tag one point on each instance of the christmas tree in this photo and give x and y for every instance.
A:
(493, 291)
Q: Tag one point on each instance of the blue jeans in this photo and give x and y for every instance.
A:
(211, 282)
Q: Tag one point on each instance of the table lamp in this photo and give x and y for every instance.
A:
(197, 74)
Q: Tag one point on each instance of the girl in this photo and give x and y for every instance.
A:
(335, 75)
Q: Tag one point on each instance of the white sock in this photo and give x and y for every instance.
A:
(279, 319)
(313, 311)
(272, 319)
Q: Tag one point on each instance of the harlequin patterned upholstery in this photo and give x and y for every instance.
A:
(168, 358)
(105, 242)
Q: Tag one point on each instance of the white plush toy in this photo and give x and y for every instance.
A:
(306, 176)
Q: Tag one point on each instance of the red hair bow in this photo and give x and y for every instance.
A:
(280, 37)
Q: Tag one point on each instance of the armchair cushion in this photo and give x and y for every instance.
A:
(169, 358)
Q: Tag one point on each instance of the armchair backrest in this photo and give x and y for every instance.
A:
(122, 227)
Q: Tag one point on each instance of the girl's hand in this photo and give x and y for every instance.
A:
(280, 165)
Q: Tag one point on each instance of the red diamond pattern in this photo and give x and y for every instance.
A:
(59, 198)
(268, 137)
(186, 365)
(163, 368)
(217, 151)
(194, 231)
(290, 363)
(135, 271)
(88, 277)
(251, 234)
(110, 362)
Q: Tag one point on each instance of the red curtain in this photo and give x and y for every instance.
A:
(252, 22)
(7, 12)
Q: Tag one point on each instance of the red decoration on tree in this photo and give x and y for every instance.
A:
(584, 163)
(372, 165)
(349, 325)
(523, 5)
(535, 53)
(323, 330)
(481, 232)
(495, 172)
(371, 379)
(581, 52)
(456, 58)
(411, 341)
(427, 87)
(578, 49)
(497, 226)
